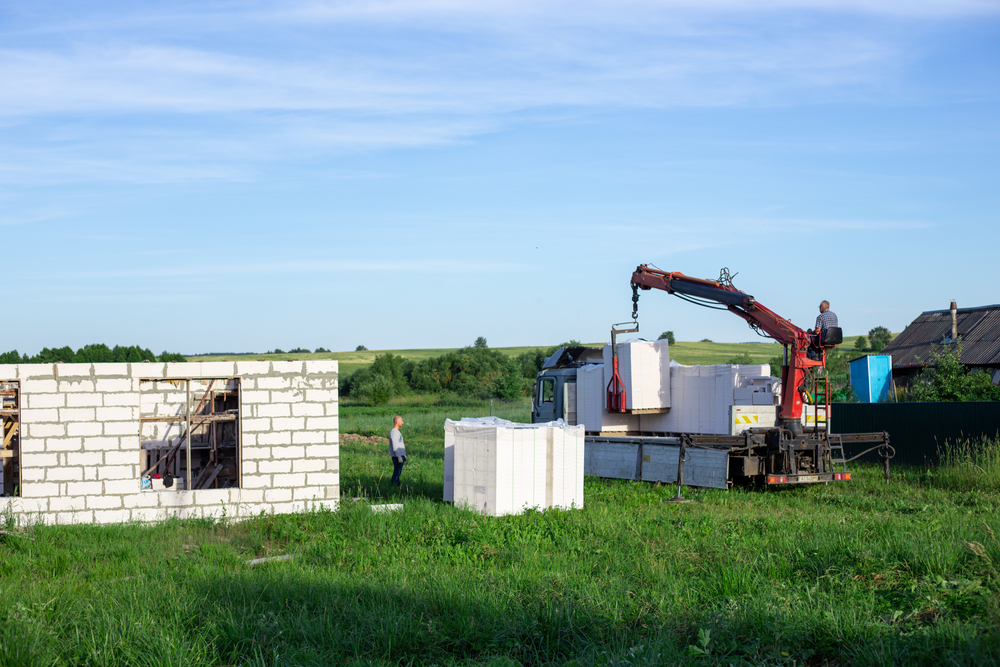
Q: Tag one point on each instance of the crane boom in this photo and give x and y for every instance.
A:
(796, 340)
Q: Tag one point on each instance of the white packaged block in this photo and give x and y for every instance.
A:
(644, 369)
(499, 467)
(591, 403)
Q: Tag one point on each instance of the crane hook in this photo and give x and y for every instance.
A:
(635, 301)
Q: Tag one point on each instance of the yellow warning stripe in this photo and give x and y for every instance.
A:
(747, 419)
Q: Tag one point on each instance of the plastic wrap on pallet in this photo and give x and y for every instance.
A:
(500, 467)
(644, 368)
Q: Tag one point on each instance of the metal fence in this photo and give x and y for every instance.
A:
(916, 430)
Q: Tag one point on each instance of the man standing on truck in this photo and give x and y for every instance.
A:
(397, 450)
(825, 320)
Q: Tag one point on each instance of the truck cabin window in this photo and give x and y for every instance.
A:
(548, 391)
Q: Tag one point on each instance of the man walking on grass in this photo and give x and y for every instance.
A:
(397, 450)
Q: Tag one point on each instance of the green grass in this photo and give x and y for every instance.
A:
(860, 573)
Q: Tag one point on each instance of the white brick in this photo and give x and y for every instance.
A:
(256, 481)
(320, 396)
(67, 386)
(29, 387)
(32, 475)
(84, 459)
(120, 457)
(217, 369)
(103, 502)
(44, 430)
(84, 428)
(315, 423)
(308, 437)
(75, 371)
(64, 474)
(116, 472)
(83, 400)
(321, 366)
(275, 410)
(130, 399)
(146, 514)
(287, 367)
(84, 488)
(256, 425)
(121, 487)
(181, 370)
(34, 415)
(290, 479)
(250, 397)
(121, 428)
(333, 436)
(129, 442)
(288, 423)
(44, 400)
(110, 369)
(293, 452)
(117, 414)
(308, 493)
(148, 369)
(252, 368)
(273, 382)
(79, 517)
(67, 503)
(317, 478)
(63, 444)
(101, 443)
(332, 409)
(249, 496)
(323, 451)
(38, 459)
(277, 495)
(8, 372)
(76, 414)
(308, 465)
(275, 466)
(107, 385)
(286, 396)
(256, 453)
(307, 410)
(333, 493)
(283, 438)
(111, 516)
(249, 467)
(40, 490)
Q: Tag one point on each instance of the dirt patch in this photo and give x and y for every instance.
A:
(356, 439)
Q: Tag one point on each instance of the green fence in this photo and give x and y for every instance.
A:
(916, 429)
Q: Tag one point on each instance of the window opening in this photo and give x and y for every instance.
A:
(548, 391)
(10, 453)
(189, 432)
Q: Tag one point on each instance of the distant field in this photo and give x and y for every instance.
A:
(682, 352)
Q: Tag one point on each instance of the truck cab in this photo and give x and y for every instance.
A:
(554, 393)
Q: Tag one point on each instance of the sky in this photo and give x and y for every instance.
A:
(243, 176)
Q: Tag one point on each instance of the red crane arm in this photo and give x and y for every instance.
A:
(796, 340)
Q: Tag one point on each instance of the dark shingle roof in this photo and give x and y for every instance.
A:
(978, 329)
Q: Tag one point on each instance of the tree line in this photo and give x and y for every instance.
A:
(97, 353)
(475, 371)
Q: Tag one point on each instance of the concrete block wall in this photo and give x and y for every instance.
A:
(80, 440)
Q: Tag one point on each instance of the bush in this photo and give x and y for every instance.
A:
(509, 384)
(744, 358)
(376, 388)
(861, 344)
(705, 340)
(322, 350)
(668, 335)
(361, 348)
(945, 378)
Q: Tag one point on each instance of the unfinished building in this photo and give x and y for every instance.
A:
(107, 443)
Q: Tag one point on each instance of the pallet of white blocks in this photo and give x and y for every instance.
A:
(500, 467)
(591, 404)
(644, 369)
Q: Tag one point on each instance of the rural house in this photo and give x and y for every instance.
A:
(977, 329)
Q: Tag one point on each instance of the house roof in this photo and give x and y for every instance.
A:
(978, 330)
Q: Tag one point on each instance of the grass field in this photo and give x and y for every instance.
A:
(860, 573)
(682, 352)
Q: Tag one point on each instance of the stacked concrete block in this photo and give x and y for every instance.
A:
(498, 467)
(644, 369)
(591, 403)
(81, 453)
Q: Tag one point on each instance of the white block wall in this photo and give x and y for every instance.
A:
(80, 441)
(644, 369)
(591, 403)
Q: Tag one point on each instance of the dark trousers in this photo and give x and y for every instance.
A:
(397, 467)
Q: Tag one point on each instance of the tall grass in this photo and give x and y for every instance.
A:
(970, 464)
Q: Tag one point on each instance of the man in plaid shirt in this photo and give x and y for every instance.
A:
(826, 319)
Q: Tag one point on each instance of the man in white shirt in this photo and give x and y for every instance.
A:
(397, 450)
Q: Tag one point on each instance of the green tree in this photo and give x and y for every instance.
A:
(480, 342)
(879, 337)
(360, 348)
(668, 335)
(861, 344)
(509, 383)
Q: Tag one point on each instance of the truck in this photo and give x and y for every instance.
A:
(783, 448)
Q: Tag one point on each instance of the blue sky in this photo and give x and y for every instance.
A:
(240, 176)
